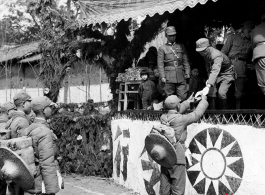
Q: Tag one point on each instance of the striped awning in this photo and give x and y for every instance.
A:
(110, 11)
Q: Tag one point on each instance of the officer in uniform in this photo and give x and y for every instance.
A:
(220, 71)
(258, 44)
(173, 65)
(238, 49)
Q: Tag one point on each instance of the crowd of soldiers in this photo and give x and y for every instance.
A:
(27, 116)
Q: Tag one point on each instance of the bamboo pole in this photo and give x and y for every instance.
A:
(100, 95)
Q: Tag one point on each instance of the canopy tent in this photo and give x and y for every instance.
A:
(98, 11)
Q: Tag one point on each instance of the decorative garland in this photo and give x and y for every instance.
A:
(84, 143)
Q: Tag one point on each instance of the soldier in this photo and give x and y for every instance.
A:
(19, 120)
(6, 112)
(220, 72)
(173, 180)
(44, 147)
(258, 44)
(238, 49)
(173, 66)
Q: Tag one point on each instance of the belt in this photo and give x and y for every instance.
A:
(239, 58)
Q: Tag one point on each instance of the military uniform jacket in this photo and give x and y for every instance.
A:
(17, 124)
(237, 46)
(258, 41)
(217, 65)
(180, 123)
(172, 62)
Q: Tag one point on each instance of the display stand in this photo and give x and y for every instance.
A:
(128, 92)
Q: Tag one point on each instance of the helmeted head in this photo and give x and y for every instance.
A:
(247, 28)
(10, 108)
(42, 105)
(171, 34)
(22, 100)
(172, 102)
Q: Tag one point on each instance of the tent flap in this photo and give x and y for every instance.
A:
(98, 11)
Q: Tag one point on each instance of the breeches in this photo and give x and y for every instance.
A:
(221, 87)
(239, 87)
(180, 89)
(260, 71)
(173, 181)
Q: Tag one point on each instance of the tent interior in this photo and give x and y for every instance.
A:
(191, 24)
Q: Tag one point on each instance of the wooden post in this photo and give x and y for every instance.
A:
(100, 95)
(66, 85)
(86, 82)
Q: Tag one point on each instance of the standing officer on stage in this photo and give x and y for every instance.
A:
(173, 66)
(220, 73)
(238, 49)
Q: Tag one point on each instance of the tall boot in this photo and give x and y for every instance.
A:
(238, 103)
(212, 103)
(223, 104)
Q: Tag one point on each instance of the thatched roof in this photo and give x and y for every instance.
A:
(18, 52)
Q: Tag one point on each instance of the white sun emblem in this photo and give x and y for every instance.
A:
(217, 162)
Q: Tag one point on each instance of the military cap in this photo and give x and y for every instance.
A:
(40, 103)
(202, 44)
(172, 102)
(248, 25)
(21, 97)
(170, 30)
(8, 105)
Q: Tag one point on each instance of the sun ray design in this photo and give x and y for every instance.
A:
(199, 178)
(200, 146)
(218, 142)
(229, 172)
(209, 143)
(213, 162)
(196, 167)
(216, 185)
(197, 156)
(226, 150)
(225, 182)
(207, 184)
(231, 160)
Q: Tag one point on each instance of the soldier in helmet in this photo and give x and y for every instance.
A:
(173, 66)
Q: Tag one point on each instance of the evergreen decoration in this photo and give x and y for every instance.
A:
(84, 143)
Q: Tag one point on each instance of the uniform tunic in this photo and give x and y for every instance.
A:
(173, 180)
(173, 65)
(238, 49)
(220, 71)
(258, 43)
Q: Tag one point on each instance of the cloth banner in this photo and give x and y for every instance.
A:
(225, 159)
(110, 11)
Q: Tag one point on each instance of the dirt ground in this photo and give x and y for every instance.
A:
(79, 185)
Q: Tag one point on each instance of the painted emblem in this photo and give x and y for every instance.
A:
(217, 162)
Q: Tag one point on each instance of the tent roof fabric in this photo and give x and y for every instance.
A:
(19, 51)
(98, 11)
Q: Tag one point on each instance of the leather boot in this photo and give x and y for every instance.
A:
(238, 103)
(211, 103)
(223, 104)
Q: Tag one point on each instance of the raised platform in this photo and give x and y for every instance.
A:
(226, 149)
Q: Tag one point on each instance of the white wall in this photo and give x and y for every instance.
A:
(227, 159)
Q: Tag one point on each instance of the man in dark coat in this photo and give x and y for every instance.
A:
(220, 71)
(173, 66)
(238, 49)
(44, 148)
(173, 180)
(258, 44)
